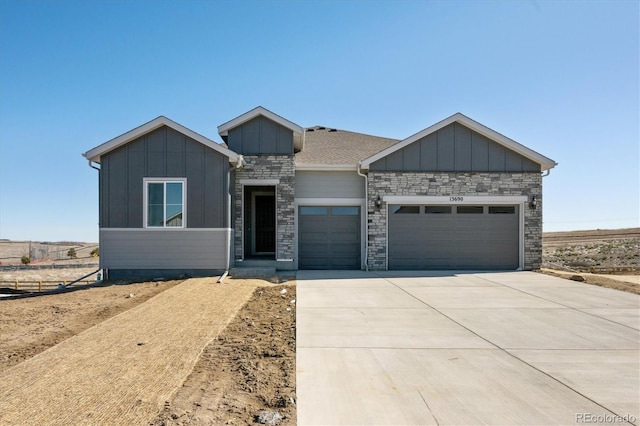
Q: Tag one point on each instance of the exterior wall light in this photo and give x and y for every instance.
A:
(378, 201)
(534, 202)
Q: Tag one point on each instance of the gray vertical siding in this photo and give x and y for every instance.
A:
(260, 136)
(455, 148)
(163, 153)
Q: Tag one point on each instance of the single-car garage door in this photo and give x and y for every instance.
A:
(482, 237)
(329, 237)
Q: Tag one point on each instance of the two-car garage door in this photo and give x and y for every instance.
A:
(453, 237)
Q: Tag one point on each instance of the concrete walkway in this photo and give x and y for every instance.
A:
(465, 349)
(121, 371)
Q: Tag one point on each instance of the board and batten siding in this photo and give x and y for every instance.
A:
(189, 249)
(163, 153)
(455, 148)
(261, 136)
(330, 184)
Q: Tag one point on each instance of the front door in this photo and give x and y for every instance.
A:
(264, 219)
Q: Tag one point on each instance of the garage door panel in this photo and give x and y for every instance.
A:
(331, 240)
(480, 240)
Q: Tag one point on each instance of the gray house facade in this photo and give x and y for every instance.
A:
(456, 195)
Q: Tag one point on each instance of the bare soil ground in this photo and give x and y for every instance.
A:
(608, 258)
(249, 368)
(30, 325)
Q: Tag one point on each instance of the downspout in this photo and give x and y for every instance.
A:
(104, 276)
(239, 164)
(366, 218)
(92, 166)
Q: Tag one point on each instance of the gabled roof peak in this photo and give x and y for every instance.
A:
(545, 163)
(223, 129)
(298, 131)
(95, 153)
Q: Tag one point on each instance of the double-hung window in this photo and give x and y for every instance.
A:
(164, 203)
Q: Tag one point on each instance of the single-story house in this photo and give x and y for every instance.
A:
(456, 195)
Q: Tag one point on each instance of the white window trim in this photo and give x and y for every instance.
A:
(467, 199)
(145, 206)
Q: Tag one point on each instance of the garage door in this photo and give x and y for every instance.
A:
(329, 237)
(481, 237)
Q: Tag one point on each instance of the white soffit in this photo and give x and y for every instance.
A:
(545, 163)
(95, 153)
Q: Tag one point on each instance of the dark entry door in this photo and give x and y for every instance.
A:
(265, 224)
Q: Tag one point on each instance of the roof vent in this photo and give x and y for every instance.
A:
(333, 130)
(311, 129)
(321, 128)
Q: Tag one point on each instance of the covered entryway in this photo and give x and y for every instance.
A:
(329, 237)
(480, 237)
(260, 221)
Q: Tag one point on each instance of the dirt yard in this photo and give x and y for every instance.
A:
(30, 325)
(246, 370)
(249, 368)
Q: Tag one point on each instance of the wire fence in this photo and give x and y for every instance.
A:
(45, 285)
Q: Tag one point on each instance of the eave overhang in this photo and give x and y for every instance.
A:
(95, 153)
(298, 131)
(545, 162)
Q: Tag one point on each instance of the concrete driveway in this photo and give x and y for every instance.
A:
(400, 348)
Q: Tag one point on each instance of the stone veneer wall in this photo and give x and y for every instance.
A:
(279, 167)
(453, 184)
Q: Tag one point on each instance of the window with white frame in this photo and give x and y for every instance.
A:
(164, 203)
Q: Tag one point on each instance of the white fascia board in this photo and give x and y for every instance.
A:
(326, 167)
(223, 129)
(545, 163)
(471, 199)
(95, 153)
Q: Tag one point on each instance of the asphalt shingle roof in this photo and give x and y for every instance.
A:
(325, 145)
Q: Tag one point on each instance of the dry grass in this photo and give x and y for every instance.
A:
(599, 251)
(122, 370)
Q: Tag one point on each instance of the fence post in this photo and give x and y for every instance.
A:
(16, 286)
(39, 285)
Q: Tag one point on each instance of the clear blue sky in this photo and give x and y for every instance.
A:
(558, 77)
